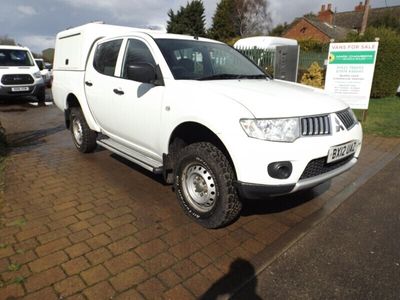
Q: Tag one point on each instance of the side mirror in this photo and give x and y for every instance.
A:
(141, 72)
(40, 65)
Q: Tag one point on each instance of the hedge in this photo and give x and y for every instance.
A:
(387, 69)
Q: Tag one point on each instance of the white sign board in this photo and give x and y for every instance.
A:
(350, 72)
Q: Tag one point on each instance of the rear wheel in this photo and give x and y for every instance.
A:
(204, 185)
(84, 138)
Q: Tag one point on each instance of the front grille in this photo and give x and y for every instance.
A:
(347, 118)
(14, 79)
(317, 125)
(319, 166)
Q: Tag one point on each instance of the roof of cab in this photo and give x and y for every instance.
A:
(107, 30)
(10, 47)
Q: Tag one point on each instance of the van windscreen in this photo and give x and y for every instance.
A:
(15, 58)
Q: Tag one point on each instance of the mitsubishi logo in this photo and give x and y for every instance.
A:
(339, 126)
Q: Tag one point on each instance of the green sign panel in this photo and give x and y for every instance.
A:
(352, 57)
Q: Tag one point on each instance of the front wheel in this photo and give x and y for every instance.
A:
(41, 95)
(204, 185)
(84, 138)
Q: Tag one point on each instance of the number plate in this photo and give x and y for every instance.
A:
(341, 151)
(20, 89)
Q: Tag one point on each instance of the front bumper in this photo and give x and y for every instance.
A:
(251, 158)
(33, 89)
(258, 191)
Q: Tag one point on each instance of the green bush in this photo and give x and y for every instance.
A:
(387, 69)
(311, 45)
(314, 76)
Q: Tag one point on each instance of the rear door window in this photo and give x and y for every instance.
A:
(106, 56)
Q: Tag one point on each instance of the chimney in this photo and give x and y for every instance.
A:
(326, 15)
(360, 7)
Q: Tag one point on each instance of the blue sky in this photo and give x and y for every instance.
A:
(35, 23)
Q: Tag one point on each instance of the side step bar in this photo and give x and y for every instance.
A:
(131, 155)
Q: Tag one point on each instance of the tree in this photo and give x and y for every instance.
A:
(389, 20)
(188, 20)
(224, 26)
(241, 18)
(279, 29)
(253, 17)
(5, 40)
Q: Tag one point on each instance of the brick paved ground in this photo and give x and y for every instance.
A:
(92, 227)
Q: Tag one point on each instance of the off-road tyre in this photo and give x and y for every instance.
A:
(203, 173)
(83, 137)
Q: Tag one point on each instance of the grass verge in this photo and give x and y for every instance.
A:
(383, 117)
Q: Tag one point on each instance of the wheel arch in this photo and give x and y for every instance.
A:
(188, 133)
(71, 101)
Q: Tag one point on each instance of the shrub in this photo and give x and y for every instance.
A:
(314, 76)
(387, 69)
(311, 45)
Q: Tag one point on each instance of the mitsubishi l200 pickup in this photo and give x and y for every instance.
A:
(202, 115)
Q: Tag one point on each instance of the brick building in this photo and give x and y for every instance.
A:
(328, 24)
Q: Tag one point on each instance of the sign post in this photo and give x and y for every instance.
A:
(350, 72)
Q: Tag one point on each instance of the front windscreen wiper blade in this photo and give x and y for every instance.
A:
(232, 76)
(258, 76)
(220, 76)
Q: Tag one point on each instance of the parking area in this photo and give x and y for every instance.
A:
(97, 227)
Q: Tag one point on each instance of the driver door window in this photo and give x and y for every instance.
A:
(136, 52)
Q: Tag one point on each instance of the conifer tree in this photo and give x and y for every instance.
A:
(188, 20)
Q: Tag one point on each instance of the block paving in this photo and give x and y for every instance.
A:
(77, 226)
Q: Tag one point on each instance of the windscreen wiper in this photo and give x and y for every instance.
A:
(220, 76)
(232, 76)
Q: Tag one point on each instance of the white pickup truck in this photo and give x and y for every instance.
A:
(201, 114)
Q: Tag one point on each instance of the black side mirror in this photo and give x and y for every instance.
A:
(40, 65)
(141, 72)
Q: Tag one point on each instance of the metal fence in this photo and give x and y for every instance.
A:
(262, 57)
(265, 58)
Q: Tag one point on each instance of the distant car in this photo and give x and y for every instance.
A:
(46, 74)
(398, 91)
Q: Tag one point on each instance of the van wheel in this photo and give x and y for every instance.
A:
(204, 185)
(41, 95)
(84, 138)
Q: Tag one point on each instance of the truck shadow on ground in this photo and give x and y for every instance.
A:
(269, 205)
(137, 168)
(278, 204)
(29, 139)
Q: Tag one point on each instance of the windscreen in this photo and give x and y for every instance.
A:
(15, 58)
(199, 60)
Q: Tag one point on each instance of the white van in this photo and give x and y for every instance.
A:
(19, 74)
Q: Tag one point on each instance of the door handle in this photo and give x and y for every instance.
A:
(118, 91)
(88, 83)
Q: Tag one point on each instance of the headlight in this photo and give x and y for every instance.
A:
(37, 75)
(277, 130)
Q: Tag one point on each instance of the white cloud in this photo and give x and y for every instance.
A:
(26, 10)
(37, 43)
